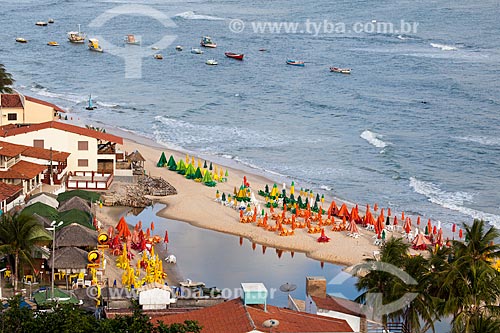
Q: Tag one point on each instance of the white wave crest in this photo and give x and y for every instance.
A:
(373, 139)
(452, 200)
(65, 97)
(483, 140)
(106, 105)
(444, 47)
(401, 37)
(190, 15)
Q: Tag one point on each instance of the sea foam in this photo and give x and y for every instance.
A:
(444, 47)
(190, 15)
(452, 200)
(373, 139)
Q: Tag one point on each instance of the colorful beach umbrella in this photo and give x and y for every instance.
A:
(165, 240)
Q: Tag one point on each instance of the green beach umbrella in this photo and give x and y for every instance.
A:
(317, 197)
(197, 174)
(205, 164)
(210, 168)
(190, 171)
(171, 163)
(207, 179)
(163, 160)
(267, 189)
(223, 197)
(181, 167)
(299, 201)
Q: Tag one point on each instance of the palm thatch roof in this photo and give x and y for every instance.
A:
(46, 198)
(42, 210)
(69, 258)
(45, 222)
(75, 235)
(87, 195)
(74, 203)
(76, 216)
(135, 157)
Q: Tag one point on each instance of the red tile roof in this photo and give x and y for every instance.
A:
(234, 317)
(39, 101)
(23, 170)
(9, 190)
(45, 154)
(339, 305)
(11, 101)
(11, 149)
(9, 130)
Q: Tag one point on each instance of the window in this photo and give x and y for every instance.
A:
(83, 145)
(12, 116)
(83, 163)
(38, 143)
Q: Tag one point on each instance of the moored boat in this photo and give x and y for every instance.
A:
(41, 23)
(130, 39)
(207, 41)
(94, 45)
(196, 51)
(295, 63)
(51, 20)
(237, 56)
(179, 48)
(158, 56)
(340, 70)
(53, 43)
(90, 105)
(76, 36)
(211, 62)
(21, 40)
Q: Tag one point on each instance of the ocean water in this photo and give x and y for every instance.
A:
(415, 126)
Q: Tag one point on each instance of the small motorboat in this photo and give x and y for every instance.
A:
(130, 39)
(211, 62)
(196, 51)
(41, 23)
(262, 50)
(51, 20)
(207, 41)
(158, 56)
(154, 48)
(295, 63)
(94, 45)
(340, 70)
(237, 56)
(21, 40)
(179, 48)
(90, 105)
(53, 43)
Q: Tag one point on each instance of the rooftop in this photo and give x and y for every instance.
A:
(233, 316)
(23, 170)
(12, 130)
(9, 190)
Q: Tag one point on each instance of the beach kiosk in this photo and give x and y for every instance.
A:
(254, 293)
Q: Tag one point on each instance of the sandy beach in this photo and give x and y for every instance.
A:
(195, 204)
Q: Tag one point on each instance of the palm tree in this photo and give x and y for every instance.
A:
(19, 234)
(469, 287)
(417, 315)
(6, 80)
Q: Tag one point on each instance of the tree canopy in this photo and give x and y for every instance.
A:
(6, 80)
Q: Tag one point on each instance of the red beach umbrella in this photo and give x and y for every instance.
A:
(323, 238)
(375, 207)
(152, 226)
(264, 249)
(402, 216)
(429, 225)
(434, 230)
(407, 226)
(460, 233)
(395, 220)
(389, 212)
(166, 237)
(418, 220)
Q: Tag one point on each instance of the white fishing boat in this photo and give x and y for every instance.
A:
(179, 48)
(53, 43)
(76, 36)
(211, 62)
(158, 56)
(41, 23)
(196, 51)
(21, 40)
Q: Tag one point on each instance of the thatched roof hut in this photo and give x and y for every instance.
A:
(75, 235)
(48, 199)
(74, 203)
(69, 258)
(135, 157)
